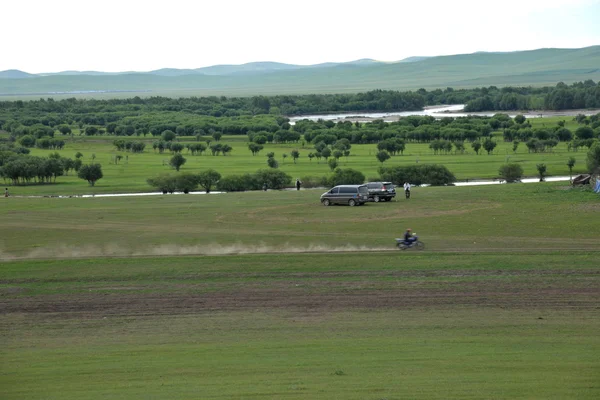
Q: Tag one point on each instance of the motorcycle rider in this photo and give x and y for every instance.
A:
(409, 239)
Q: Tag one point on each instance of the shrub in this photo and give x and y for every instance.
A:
(346, 176)
(238, 183)
(274, 178)
(314, 181)
(432, 174)
(511, 172)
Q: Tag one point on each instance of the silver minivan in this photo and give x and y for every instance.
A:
(353, 195)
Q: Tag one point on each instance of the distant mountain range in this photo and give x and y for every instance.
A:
(535, 67)
(242, 69)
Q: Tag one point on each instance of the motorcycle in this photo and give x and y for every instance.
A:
(416, 244)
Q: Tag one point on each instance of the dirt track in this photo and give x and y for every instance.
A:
(66, 253)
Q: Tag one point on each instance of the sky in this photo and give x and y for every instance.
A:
(39, 36)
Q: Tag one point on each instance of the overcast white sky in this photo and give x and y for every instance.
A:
(130, 35)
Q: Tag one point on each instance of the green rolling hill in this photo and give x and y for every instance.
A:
(523, 68)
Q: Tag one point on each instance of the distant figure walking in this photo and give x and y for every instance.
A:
(298, 184)
(407, 189)
(6, 192)
(265, 186)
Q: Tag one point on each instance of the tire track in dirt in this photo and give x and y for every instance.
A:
(115, 251)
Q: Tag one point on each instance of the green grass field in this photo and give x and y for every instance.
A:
(133, 170)
(271, 296)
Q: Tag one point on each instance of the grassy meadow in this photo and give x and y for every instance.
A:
(131, 173)
(270, 295)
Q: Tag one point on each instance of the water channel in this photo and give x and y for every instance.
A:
(476, 182)
(454, 110)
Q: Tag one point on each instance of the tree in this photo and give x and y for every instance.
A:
(78, 155)
(584, 132)
(295, 154)
(27, 141)
(515, 146)
(226, 149)
(53, 167)
(489, 145)
(91, 173)
(332, 163)
(164, 183)
(571, 164)
(311, 156)
(326, 153)
(207, 179)
(284, 155)
(564, 135)
(337, 154)
(255, 148)
(176, 147)
(64, 129)
(215, 149)
(68, 164)
(541, 168)
(272, 162)
(217, 136)
(91, 130)
(177, 161)
(383, 156)
(476, 146)
(593, 158)
(259, 139)
(168, 135)
(519, 119)
(511, 172)
(186, 182)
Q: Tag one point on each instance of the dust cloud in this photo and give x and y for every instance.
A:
(114, 250)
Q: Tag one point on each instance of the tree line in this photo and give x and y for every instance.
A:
(21, 168)
(235, 115)
(578, 95)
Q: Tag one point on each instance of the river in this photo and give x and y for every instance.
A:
(477, 182)
(453, 110)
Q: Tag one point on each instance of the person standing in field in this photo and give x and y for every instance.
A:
(407, 189)
(298, 184)
(6, 192)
